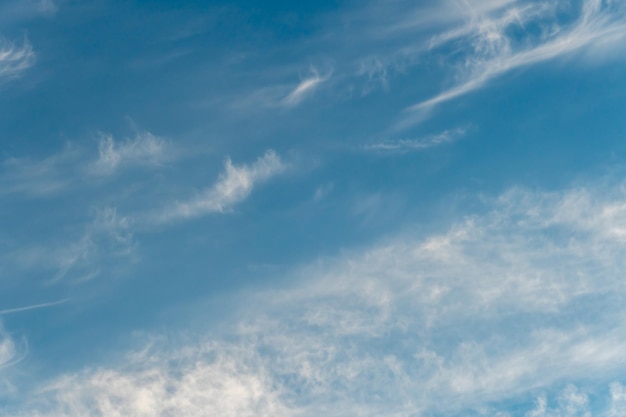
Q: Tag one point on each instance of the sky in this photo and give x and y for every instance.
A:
(342, 208)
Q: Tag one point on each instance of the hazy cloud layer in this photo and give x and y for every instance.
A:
(501, 305)
(515, 308)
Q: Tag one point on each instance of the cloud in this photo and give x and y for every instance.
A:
(233, 186)
(499, 42)
(409, 145)
(7, 350)
(59, 172)
(12, 11)
(31, 307)
(278, 95)
(144, 149)
(519, 298)
(304, 89)
(14, 60)
(206, 380)
(110, 236)
(11, 351)
(39, 177)
(99, 246)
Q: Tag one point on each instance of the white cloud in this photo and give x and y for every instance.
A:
(209, 379)
(518, 299)
(107, 238)
(143, 149)
(53, 174)
(43, 177)
(31, 307)
(409, 145)
(7, 350)
(233, 186)
(491, 49)
(618, 401)
(15, 59)
(304, 89)
(571, 403)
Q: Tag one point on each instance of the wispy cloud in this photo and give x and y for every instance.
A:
(233, 186)
(15, 59)
(210, 379)
(110, 235)
(18, 10)
(492, 45)
(10, 350)
(281, 94)
(107, 238)
(143, 149)
(420, 144)
(31, 307)
(504, 304)
(39, 177)
(305, 88)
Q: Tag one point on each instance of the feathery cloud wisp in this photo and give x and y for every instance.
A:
(305, 88)
(60, 171)
(409, 145)
(143, 149)
(13, 59)
(491, 50)
(108, 236)
(41, 177)
(233, 186)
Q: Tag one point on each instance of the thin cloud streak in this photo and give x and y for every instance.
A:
(304, 89)
(233, 186)
(494, 52)
(15, 59)
(39, 177)
(415, 145)
(32, 307)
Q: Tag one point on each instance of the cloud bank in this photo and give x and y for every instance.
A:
(523, 299)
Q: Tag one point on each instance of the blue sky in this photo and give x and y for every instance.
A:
(339, 208)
